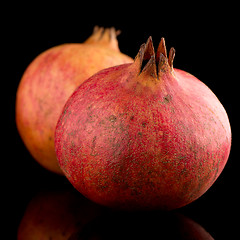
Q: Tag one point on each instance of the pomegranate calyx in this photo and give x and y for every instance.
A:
(161, 49)
(163, 58)
(171, 56)
(147, 55)
(148, 61)
(105, 37)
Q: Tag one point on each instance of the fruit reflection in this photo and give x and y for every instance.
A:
(147, 226)
(56, 215)
(67, 215)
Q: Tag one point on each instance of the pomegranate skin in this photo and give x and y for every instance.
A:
(48, 82)
(141, 139)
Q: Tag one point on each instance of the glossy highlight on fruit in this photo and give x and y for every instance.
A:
(143, 135)
(48, 82)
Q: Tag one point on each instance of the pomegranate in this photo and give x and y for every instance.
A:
(48, 82)
(134, 137)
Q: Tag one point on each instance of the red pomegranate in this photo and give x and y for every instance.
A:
(134, 137)
(48, 82)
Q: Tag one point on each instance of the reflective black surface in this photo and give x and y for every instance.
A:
(205, 43)
(215, 214)
(64, 214)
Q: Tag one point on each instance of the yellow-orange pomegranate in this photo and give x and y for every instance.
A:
(48, 82)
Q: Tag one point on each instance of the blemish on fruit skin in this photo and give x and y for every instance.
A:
(112, 118)
(94, 142)
(93, 150)
(167, 99)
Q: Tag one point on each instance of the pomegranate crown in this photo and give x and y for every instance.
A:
(104, 36)
(156, 61)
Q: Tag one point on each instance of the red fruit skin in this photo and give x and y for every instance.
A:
(50, 80)
(132, 140)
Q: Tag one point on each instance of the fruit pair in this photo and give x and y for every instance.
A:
(143, 135)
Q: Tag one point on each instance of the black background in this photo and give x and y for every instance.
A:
(206, 41)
